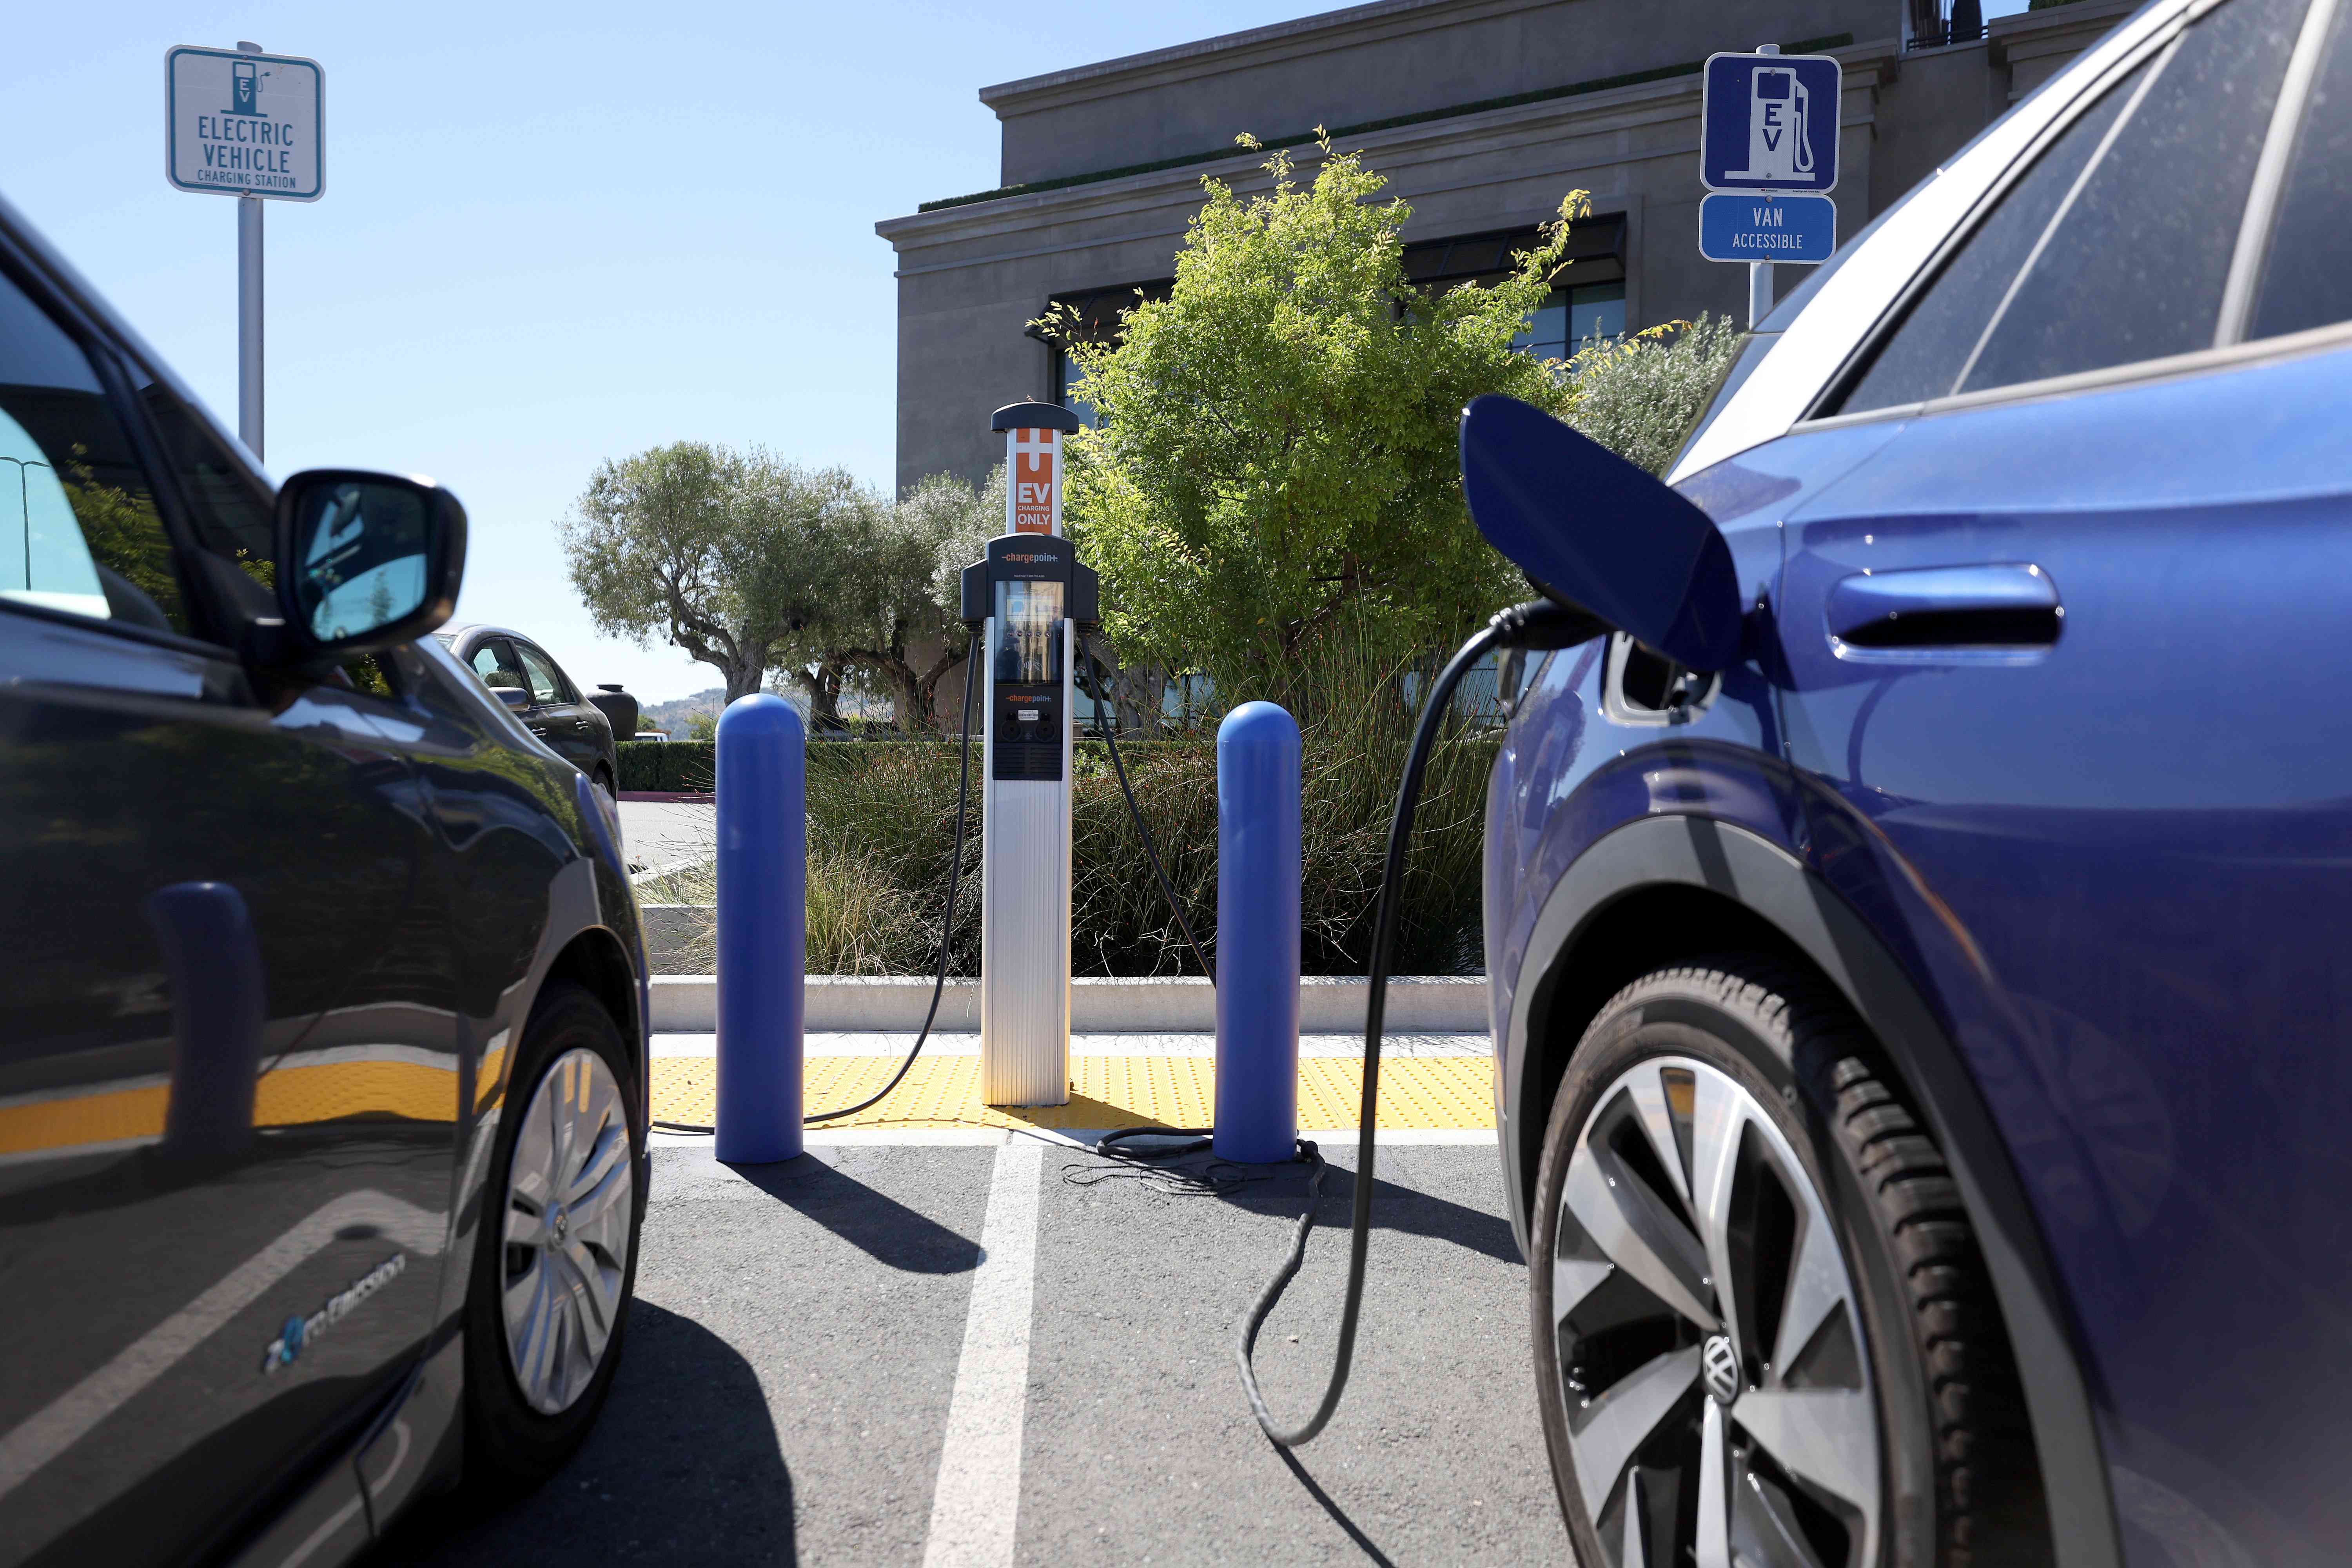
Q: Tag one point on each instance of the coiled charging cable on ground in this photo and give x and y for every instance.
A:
(947, 926)
(1540, 623)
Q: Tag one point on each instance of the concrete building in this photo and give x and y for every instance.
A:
(1482, 113)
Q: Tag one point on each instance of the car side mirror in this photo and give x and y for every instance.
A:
(1597, 533)
(366, 560)
(514, 697)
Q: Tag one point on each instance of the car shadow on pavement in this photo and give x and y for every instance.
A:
(883, 1228)
(683, 1466)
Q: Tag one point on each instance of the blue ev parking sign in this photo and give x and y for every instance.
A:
(1769, 123)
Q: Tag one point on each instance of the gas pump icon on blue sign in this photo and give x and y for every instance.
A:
(1769, 124)
(245, 87)
(1780, 115)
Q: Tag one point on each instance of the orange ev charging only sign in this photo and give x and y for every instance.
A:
(1032, 481)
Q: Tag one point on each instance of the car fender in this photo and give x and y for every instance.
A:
(1771, 883)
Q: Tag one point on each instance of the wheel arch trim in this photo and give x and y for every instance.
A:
(1773, 885)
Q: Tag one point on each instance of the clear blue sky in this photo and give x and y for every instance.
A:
(552, 235)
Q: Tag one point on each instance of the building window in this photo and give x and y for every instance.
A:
(1069, 379)
(1090, 316)
(1574, 318)
(1588, 303)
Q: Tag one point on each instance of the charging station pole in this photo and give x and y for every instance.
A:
(1024, 599)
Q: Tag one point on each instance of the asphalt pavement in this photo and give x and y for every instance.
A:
(661, 835)
(803, 1333)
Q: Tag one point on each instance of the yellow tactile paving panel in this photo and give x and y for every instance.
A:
(1422, 1093)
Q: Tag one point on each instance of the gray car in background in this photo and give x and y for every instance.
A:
(576, 727)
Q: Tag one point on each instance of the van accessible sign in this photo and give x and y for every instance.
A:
(1767, 228)
(244, 125)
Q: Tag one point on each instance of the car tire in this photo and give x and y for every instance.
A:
(556, 1258)
(1731, 1178)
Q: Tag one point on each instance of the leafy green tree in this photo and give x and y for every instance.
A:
(1278, 457)
(735, 557)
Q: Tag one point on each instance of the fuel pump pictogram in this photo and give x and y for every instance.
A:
(1780, 129)
(244, 88)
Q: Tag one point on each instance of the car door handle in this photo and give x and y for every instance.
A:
(2003, 607)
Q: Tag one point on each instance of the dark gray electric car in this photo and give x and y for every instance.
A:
(531, 682)
(323, 1053)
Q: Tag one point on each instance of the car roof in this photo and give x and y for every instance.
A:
(1851, 301)
(461, 631)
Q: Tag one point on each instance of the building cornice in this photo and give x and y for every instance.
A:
(1279, 41)
(1590, 114)
(1842, 45)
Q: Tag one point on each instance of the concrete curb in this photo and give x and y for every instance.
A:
(1327, 1005)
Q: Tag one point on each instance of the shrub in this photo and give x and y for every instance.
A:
(678, 765)
(882, 820)
(1640, 396)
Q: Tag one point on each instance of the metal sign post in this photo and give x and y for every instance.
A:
(245, 124)
(1769, 128)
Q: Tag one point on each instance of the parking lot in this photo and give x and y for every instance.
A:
(803, 1332)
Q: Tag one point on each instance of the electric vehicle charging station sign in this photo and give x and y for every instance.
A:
(1032, 482)
(1768, 123)
(243, 124)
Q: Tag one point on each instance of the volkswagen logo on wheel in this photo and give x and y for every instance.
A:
(1719, 1364)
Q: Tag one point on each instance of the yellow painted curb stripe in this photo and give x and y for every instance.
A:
(1418, 1092)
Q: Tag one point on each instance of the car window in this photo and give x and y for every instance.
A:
(495, 662)
(86, 537)
(2115, 246)
(546, 683)
(230, 516)
(2134, 267)
(2306, 282)
(1924, 357)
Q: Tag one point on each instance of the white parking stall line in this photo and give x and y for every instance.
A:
(978, 1501)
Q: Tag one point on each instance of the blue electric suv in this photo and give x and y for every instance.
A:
(322, 1048)
(1924, 1031)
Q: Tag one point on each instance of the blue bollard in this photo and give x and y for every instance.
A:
(762, 935)
(1258, 878)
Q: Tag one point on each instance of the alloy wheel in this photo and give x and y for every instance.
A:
(1718, 1403)
(570, 1192)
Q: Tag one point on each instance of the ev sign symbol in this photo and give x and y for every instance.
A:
(1769, 123)
(243, 124)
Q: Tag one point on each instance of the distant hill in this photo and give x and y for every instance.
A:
(674, 716)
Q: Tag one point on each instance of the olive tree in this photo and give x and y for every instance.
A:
(1277, 454)
(734, 556)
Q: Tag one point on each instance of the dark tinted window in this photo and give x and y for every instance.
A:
(232, 518)
(2134, 266)
(2307, 280)
(79, 527)
(1928, 351)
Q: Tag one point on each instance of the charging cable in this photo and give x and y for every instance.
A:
(1541, 624)
(947, 921)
